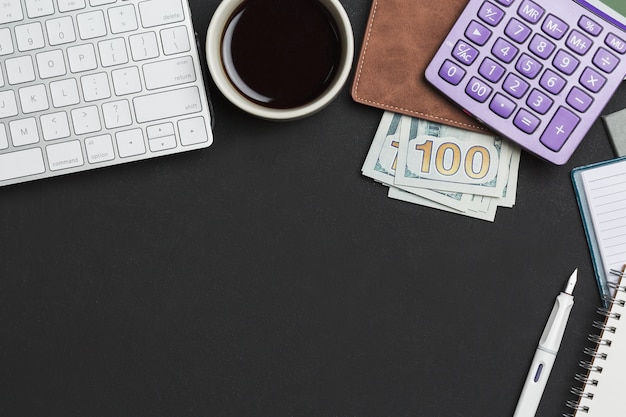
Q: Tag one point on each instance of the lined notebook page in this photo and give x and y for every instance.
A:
(605, 189)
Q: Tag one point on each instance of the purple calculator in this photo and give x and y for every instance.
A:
(538, 72)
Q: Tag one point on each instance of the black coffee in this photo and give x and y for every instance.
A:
(281, 53)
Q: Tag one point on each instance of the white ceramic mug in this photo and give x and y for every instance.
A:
(215, 36)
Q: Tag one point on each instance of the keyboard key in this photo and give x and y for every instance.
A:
(60, 31)
(528, 66)
(169, 73)
(126, 81)
(4, 140)
(517, 31)
(64, 93)
(526, 121)
(504, 50)
(70, 5)
(515, 86)
(176, 41)
(24, 132)
(144, 46)
(55, 126)
(113, 52)
(8, 104)
(160, 12)
(167, 104)
(6, 42)
(579, 100)
(162, 144)
(605, 60)
(490, 14)
(475, 32)
(117, 114)
(39, 8)
(592, 80)
(123, 19)
(579, 43)
(95, 87)
(541, 47)
(552, 82)
(530, 11)
(502, 106)
(451, 72)
(539, 102)
(64, 155)
(130, 143)
(99, 149)
(560, 129)
(465, 53)
(51, 64)
(491, 70)
(478, 90)
(29, 37)
(91, 25)
(20, 70)
(86, 120)
(554, 27)
(33, 98)
(10, 11)
(82, 58)
(193, 131)
(615, 43)
(565, 62)
(21, 164)
(589, 26)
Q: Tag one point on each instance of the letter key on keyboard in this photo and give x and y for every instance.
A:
(92, 83)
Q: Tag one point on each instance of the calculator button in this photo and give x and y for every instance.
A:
(517, 31)
(589, 26)
(491, 70)
(559, 129)
(526, 122)
(502, 106)
(530, 11)
(554, 27)
(541, 47)
(578, 42)
(565, 62)
(465, 53)
(505, 3)
(477, 33)
(579, 100)
(552, 82)
(605, 60)
(451, 72)
(515, 86)
(615, 43)
(478, 90)
(539, 102)
(528, 66)
(490, 14)
(504, 50)
(592, 80)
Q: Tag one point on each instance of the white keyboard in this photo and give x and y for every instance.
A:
(92, 83)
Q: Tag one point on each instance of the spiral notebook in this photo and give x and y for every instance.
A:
(601, 193)
(602, 392)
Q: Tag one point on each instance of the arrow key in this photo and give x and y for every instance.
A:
(477, 33)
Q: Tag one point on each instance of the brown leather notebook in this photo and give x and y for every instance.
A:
(401, 38)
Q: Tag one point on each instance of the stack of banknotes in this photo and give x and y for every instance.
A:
(443, 167)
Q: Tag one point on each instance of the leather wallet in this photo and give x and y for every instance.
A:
(401, 38)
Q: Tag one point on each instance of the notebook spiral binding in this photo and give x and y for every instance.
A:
(594, 366)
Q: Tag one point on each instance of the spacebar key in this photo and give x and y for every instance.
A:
(21, 164)
(167, 104)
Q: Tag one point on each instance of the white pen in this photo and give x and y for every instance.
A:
(546, 352)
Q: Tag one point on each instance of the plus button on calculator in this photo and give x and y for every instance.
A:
(538, 72)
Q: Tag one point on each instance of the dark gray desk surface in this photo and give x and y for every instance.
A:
(265, 276)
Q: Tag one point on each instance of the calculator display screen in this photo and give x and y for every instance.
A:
(613, 11)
